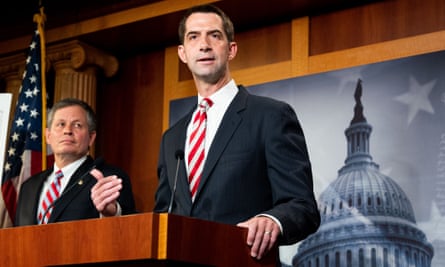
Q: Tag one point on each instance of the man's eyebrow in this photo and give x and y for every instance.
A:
(192, 32)
(208, 32)
(214, 31)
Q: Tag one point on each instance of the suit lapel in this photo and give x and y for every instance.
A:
(76, 184)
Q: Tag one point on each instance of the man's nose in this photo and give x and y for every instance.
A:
(204, 44)
(68, 129)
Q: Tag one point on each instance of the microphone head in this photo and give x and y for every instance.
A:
(179, 154)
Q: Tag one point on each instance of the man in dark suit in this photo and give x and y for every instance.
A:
(256, 171)
(87, 188)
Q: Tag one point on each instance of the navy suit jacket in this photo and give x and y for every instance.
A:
(257, 164)
(75, 201)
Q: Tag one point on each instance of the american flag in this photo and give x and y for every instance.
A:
(23, 156)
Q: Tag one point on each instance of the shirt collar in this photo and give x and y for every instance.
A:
(224, 94)
(69, 169)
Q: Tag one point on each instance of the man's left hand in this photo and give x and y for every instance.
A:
(105, 193)
(262, 235)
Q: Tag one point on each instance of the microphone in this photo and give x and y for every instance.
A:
(96, 163)
(179, 155)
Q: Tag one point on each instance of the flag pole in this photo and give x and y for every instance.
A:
(40, 20)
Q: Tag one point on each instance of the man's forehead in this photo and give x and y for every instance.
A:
(69, 110)
(203, 21)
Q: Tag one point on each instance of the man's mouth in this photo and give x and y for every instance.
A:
(206, 59)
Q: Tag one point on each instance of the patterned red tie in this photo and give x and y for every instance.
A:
(197, 146)
(52, 194)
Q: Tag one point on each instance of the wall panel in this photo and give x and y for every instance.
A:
(373, 23)
(130, 122)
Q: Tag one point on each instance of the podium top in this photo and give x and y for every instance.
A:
(148, 239)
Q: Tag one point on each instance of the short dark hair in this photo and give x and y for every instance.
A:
(68, 102)
(227, 23)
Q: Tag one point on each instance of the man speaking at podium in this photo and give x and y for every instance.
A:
(76, 187)
(235, 158)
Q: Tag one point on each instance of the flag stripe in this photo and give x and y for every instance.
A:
(24, 153)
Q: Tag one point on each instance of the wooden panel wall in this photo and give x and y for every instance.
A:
(374, 23)
(133, 107)
(129, 110)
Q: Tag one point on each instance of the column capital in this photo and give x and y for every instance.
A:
(81, 55)
(12, 65)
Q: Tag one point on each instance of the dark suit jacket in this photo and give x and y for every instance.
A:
(257, 163)
(75, 202)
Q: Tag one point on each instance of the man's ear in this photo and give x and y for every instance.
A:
(181, 54)
(47, 136)
(92, 138)
(233, 49)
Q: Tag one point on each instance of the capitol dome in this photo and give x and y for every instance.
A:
(366, 217)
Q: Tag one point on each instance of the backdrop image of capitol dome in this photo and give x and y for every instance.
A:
(376, 138)
(366, 216)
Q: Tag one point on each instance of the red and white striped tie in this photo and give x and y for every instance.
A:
(197, 146)
(52, 194)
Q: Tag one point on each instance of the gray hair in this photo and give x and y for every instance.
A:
(68, 102)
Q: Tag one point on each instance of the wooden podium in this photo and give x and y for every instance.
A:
(147, 239)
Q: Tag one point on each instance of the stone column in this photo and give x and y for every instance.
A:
(76, 66)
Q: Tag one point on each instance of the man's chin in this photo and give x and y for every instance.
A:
(210, 78)
(69, 154)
